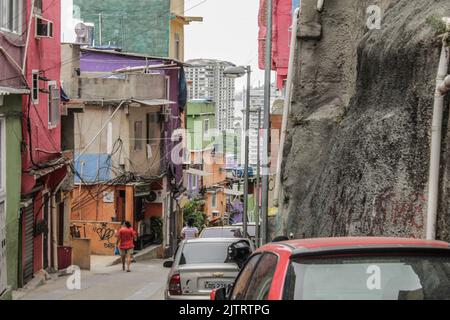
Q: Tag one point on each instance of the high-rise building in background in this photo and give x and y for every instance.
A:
(207, 81)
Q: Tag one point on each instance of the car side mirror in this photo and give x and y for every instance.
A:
(168, 264)
(239, 252)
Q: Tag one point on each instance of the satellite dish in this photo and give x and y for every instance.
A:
(81, 30)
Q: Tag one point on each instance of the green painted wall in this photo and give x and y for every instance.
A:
(138, 26)
(199, 112)
(11, 109)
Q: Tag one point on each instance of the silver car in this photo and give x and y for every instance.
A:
(222, 232)
(199, 266)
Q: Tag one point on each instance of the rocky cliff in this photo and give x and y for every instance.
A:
(357, 155)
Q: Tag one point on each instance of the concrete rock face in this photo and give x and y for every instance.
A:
(357, 153)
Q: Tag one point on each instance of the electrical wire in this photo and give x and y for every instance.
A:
(74, 59)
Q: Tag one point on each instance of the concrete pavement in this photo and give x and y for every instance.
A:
(146, 281)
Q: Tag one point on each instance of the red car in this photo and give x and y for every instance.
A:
(344, 269)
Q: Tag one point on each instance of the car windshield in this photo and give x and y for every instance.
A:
(204, 252)
(222, 233)
(251, 230)
(369, 278)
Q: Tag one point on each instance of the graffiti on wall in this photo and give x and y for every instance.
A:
(405, 211)
(389, 213)
(105, 234)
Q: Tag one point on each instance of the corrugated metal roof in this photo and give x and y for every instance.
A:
(4, 91)
(198, 172)
(154, 102)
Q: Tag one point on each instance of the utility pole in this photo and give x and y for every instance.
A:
(100, 27)
(257, 189)
(247, 126)
(266, 126)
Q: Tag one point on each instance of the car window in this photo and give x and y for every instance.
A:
(262, 277)
(241, 284)
(369, 278)
(222, 233)
(204, 252)
(251, 229)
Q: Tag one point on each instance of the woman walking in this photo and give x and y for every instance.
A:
(190, 231)
(125, 241)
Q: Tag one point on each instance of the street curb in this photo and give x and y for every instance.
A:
(146, 254)
(40, 278)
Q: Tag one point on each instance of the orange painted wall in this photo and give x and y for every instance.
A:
(93, 207)
(213, 165)
(220, 204)
(153, 210)
(102, 235)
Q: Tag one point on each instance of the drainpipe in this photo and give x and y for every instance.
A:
(54, 225)
(30, 21)
(287, 106)
(433, 188)
(54, 230)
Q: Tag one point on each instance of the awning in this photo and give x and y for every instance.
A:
(39, 173)
(154, 102)
(233, 192)
(4, 91)
(198, 172)
(214, 219)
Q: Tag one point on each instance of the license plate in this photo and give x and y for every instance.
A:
(215, 285)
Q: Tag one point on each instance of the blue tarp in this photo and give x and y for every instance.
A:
(95, 168)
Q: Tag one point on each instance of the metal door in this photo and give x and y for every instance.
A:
(2, 248)
(28, 216)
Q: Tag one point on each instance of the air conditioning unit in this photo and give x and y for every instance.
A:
(44, 28)
(155, 197)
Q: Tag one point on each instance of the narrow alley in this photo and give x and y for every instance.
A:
(146, 282)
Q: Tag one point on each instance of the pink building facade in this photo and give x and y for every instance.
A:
(281, 35)
(44, 165)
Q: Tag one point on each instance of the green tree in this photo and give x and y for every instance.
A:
(194, 209)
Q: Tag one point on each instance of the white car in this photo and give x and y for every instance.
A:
(201, 265)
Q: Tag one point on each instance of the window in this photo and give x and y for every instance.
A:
(206, 127)
(205, 252)
(262, 277)
(242, 282)
(194, 182)
(177, 46)
(213, 200)
(414, 276)
(53, 104)
(11, 13)
(186, 156)
(38, 6)
(35, 87)
(138, 135)
(149, 132)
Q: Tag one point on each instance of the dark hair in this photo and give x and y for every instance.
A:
(190, 222)
(280, 238)
(127, 224)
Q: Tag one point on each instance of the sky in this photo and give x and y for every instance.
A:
(229, 31)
